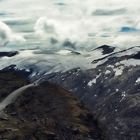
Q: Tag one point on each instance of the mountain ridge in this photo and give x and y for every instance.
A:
(110, 90)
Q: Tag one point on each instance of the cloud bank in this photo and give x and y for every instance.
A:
(88, 23)
(7, 35)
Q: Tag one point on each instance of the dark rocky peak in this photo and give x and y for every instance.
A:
(136, 56)
(106, 49)
(115, 57)
(8, 54)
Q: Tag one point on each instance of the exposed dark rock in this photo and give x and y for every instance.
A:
(46, 112)
(10, 81)
(136, 56)
(111, 90)
(13, 68)
(8, 54)
(106, 49)
(113, 94)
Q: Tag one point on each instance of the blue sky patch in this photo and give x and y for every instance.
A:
(128, 29)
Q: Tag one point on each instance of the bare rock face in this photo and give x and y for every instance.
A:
(105, 49)
(8, 54)
(45, 112)
(111, 90)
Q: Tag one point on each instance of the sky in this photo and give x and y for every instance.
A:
(87, 24)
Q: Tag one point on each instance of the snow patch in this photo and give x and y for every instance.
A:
(110, 66)
(117, 90)
(107, 72)
(118, 71)
(64, 52)
(90, 83)
(138, 80)
(123, 97)
(132, 51)
(131, 62)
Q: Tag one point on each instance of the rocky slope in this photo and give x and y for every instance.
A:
(111, 90)
(10, 81)
(45, 112)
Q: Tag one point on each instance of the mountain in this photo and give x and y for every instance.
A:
(43, 112)
(45, 60)
(105, 49)
(10, 81)
(109, 88)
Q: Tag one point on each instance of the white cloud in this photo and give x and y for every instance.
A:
(60, 29)
(44, 28)
(75, 20)
(87, 31)
(7, 35)
(5, 32)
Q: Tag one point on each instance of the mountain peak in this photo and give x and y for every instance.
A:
(106, 49)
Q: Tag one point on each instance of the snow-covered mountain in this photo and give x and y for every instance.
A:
(58, 60)
(111, 90)
(106, 80)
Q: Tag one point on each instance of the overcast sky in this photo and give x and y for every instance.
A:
(113, 22)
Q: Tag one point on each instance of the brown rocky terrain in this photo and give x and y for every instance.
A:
(45, 112)
(10, 81)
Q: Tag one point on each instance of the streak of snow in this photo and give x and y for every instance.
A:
(90, 83)
(138, 80)
(130, 62)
